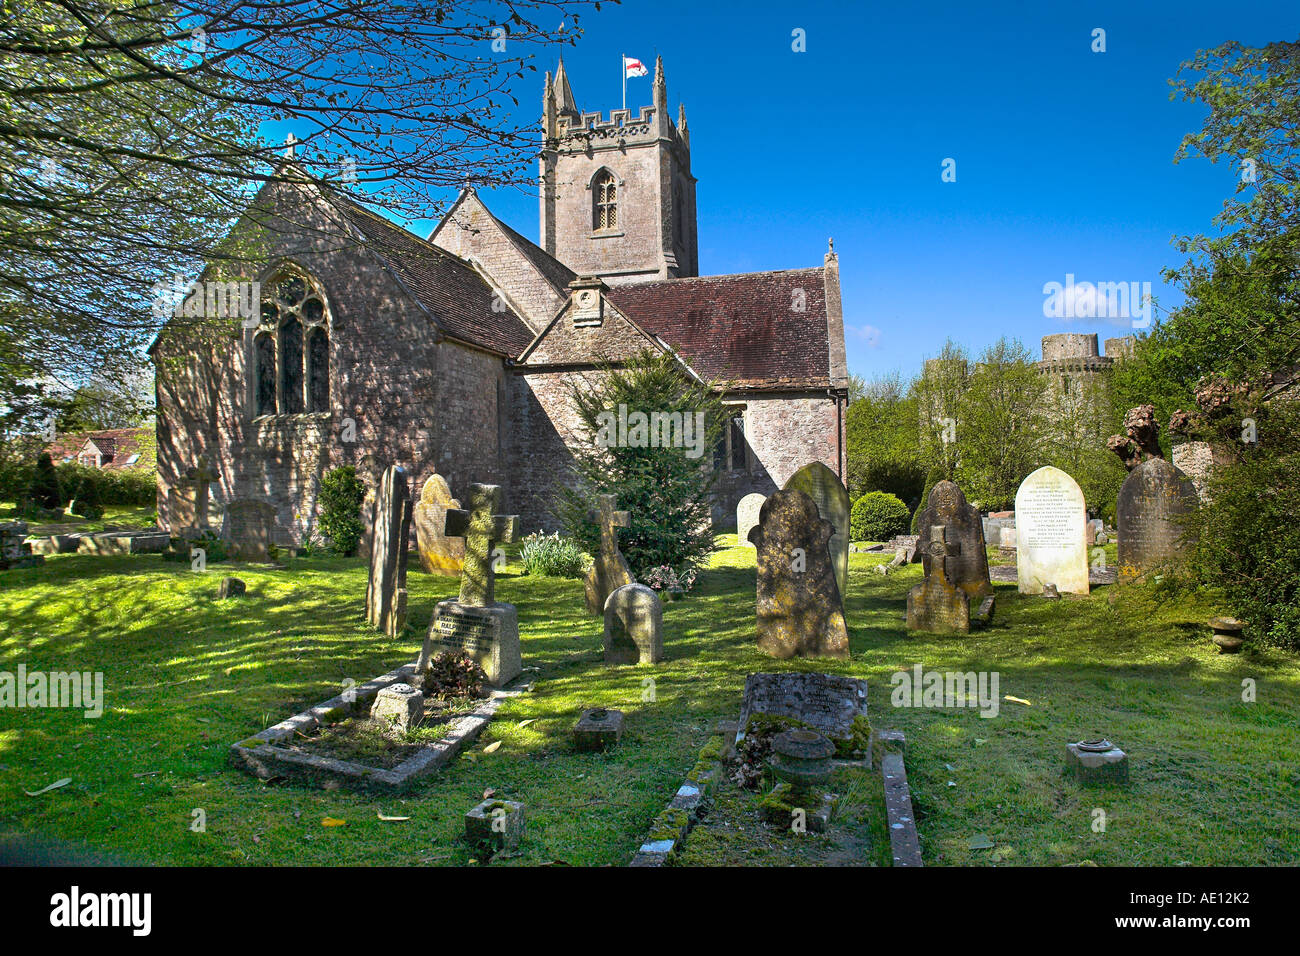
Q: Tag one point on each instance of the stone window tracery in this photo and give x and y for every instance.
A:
(605, 214)
(290, 357)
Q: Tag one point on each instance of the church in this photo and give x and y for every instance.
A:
(454, 353)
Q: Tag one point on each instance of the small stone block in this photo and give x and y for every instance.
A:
(1109, 766)
(892, 741)
(778, 808)
(230, 587)
(598, 729)
(400, 706)
(499, 823)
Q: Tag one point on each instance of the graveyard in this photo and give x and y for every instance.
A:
(1211, 780)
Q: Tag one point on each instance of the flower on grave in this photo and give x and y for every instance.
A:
(664, 578)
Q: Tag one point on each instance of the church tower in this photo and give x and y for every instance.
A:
(617, 195)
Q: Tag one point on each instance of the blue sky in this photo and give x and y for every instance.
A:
(1064, 157)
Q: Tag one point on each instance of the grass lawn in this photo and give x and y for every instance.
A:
(116, 518)
(1215, 780)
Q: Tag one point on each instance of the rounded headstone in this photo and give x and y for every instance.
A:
(747, 517)
(824, 487)
(1153, 502)
(1051, 518)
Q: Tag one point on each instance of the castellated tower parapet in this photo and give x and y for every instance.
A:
(617, 194)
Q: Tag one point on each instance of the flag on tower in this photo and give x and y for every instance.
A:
(633, 67)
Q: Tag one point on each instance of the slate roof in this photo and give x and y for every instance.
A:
(744, 328)
(447, 286)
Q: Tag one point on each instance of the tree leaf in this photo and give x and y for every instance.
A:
(333, 822)
(492, 747)
(980, 841)
(54, 786)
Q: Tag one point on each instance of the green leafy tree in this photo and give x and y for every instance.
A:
(938, 392)
(666, 489)
(341, 495)
(45, 491)
(881, 429)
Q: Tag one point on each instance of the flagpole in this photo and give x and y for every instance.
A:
(622, 68)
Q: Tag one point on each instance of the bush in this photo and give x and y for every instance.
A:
(552, 554)
(341, 494)
(878, 516)
(45, 491)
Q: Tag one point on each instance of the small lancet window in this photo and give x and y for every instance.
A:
(606, 196)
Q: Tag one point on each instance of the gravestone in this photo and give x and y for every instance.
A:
(609, 571)
(937, 604)
(747, 516)
(477, 624)
(800, 613)
(391, 524)
(439, 554)
(1153, 502)
(199, 477)
(967, 563)
(830, 704)
(1050, 546)
(15, 552)
(249, 526)
(826, 490)
(634, 626)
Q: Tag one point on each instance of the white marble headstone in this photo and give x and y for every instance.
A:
(1051, 519)
(747, 516)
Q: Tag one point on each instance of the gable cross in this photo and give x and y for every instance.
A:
(482, 530)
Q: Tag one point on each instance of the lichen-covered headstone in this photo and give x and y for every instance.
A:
(634, 626)
(249, 527)
(826, 490)
(800, 613)
(1153, 503)
(747, 516)
(609, 570)
(832, 705)
(439, 554)
(967, 564)
(391, 531)
(479, 625)
(1050, 547)
(937, 604)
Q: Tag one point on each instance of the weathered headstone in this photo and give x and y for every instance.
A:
(439, 554)
(230, 587)
(1153, 503)
(937, 604)
(477, 624)
(391, 524)
(967, 563)
(249, 526)
(800, 613)
(747, 516)
(609, 570)
(830, 704)
(634, 626)
(1050, 545)
(826, 490)
(15, 552)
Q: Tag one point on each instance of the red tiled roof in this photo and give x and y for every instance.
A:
(120, 443)
(453, 292)
(745, 328)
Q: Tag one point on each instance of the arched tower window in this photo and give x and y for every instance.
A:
(605, 197)
(291, 352)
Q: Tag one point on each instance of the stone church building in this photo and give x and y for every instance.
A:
(454, 353)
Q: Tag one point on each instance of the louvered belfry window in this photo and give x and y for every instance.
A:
(606, 216)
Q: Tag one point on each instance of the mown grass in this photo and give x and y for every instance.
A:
(1215, 780)
(115, 518)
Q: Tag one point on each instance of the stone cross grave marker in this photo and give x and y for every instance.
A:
(938, 604)
(967, 564)
(800, 613)
(609, 571)
(477, 624)
(1050, 521)
(1152, 503)
(201, 475)
(482, 531)
(391, 531)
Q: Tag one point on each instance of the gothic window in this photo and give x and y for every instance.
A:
(729, 453)
(264, 364)
(318, 369)
(290, 360)
(606, 199)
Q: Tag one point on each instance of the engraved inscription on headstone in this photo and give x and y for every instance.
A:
(1051, 518)
(1153, 502)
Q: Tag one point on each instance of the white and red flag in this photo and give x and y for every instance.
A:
(633, 67)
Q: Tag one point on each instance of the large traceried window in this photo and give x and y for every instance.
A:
(291, 348)
(605, 197)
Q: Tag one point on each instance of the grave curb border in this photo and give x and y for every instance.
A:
(682, 812)
(904, 841)
(261, 756)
